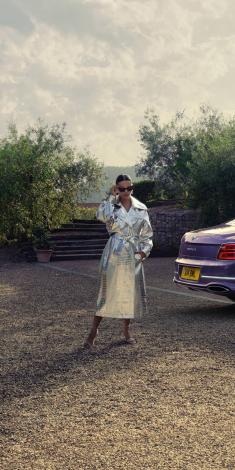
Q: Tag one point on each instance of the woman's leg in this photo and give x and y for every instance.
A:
(126, 324)
(129, 339)
(93, 332)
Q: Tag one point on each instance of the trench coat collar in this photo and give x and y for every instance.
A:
(136, 204)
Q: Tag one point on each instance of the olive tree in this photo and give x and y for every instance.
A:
(192, 160)
(41, 176)
(167, 152)
(211, 184)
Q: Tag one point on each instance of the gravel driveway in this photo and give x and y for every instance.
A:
(164, 403)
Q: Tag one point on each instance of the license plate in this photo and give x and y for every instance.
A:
(190, 273)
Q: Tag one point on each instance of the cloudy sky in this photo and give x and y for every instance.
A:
(99, 64)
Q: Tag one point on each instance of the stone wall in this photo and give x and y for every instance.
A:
(169, 225)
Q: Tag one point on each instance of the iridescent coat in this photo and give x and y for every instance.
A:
(122, 292)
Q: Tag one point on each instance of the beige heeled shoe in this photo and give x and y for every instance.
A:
(127, 338)
(87, 344)
(130, 340)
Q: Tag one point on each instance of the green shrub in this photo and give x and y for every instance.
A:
(212, 179)
(145, 190)
(192, 161)
(42, 178)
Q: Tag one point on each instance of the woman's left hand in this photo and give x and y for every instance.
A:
(141, 253)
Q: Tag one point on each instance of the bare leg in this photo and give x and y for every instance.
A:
(129, 339)
(126, 324)
(93, 332)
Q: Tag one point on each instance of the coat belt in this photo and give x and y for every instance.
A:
(118, 248)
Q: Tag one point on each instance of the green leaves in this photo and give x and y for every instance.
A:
(41, 177)
(212, 175)
(193, 161)
(167, 152)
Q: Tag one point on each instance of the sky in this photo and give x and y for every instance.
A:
(98, 65)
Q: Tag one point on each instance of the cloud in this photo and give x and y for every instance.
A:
(14, 17)
(99, 64)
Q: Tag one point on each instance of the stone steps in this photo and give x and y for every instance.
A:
(76, 245)
(84, 239)
(82, 250)
(78, 236)
(75, 256)
(80, 228)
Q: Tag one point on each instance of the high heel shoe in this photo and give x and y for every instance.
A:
(130, 340)
(89, 344)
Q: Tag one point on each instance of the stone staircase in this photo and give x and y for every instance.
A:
(80, 239)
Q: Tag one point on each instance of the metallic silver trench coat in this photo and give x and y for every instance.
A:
(122, 292)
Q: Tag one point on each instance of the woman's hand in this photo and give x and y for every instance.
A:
(141, 253)
(113, 190)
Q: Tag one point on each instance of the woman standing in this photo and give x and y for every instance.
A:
(122, 292)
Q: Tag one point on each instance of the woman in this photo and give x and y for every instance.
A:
(122, 291)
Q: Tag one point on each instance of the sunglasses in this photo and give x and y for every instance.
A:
(125, 189)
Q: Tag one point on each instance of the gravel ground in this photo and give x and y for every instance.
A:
(163, 403)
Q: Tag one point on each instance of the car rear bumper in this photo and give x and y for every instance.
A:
(216, 276)
(213, 287)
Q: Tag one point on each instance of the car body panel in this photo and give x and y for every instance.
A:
(200, 249)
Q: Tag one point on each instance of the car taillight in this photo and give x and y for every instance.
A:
(227, 251)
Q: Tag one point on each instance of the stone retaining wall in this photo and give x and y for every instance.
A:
(169, 225)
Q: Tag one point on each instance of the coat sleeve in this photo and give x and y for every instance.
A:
(105, 210)
(146, 235)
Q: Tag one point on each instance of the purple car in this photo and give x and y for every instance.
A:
(206, 260)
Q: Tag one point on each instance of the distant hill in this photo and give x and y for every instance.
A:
(111, 173)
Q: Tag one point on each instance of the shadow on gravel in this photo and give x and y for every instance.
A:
(32, 367)
(208, 312)
(161, 337)
(39, 377)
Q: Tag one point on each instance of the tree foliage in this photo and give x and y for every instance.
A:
(211, 184)
(168, 151)
(145, 190)
(192, 160)
(41, 178)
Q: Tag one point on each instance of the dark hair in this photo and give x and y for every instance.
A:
(123, 178)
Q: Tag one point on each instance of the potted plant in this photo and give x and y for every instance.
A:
(41, 244)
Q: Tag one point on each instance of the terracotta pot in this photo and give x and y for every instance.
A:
(43, 255)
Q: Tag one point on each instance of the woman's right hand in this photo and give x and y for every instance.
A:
(113, 190)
